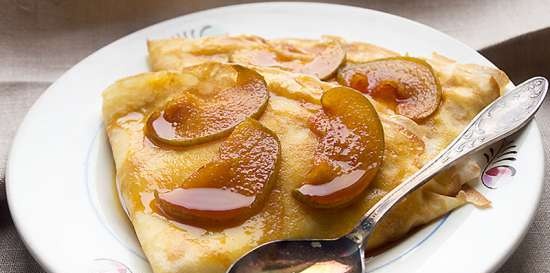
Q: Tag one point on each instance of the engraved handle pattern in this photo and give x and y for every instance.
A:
(501, 118)
(504, 116)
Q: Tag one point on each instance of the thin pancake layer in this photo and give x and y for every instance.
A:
(143, 167)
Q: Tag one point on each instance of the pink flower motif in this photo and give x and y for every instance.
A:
(103, 265)
(499, 164)
(491, 176)
(122, 269)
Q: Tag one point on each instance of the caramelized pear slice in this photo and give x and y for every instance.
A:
(349, 152)
(408, 84)
(233, 187)
(319, 60)
(200, 116)
(325, 64)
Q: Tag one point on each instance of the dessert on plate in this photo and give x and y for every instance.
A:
(233, 141)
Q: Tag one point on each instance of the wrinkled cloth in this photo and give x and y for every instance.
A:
(39, 40)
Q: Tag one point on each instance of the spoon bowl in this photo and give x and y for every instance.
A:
(289, 256)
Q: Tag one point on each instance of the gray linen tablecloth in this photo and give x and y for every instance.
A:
(39, 40)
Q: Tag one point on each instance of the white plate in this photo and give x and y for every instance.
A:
(60, 170)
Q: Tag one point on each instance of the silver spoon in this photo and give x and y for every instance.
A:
(501, 118)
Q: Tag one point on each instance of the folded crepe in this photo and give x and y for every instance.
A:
(143, 167)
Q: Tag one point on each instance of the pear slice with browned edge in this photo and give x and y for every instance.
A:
(231, 188)
(349, 153)
(320, 60)
(200, 116)
(326, 63)
(408, 84)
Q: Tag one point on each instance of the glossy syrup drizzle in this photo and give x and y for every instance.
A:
(406, 84)
(198, 116)
(231, 188)
(349, 152)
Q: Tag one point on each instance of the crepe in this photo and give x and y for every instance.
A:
(143, 167)
(285, 54)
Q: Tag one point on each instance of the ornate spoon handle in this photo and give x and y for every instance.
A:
(501, 118)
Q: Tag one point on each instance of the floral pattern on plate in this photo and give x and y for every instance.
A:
(498, 166)
(103, 265)
(197, 32)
